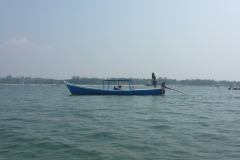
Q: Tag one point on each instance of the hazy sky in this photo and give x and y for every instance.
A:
(178, 39)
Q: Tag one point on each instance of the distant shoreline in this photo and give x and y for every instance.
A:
(9, 80)
(105, 85)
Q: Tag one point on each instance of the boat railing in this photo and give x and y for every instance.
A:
(117, 82)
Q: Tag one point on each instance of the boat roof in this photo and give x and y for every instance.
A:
(126, 80)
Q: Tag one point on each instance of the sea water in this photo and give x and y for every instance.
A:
(47, 122)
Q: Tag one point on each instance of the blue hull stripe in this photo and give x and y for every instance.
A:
(91, 91)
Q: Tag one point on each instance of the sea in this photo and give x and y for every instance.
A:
(43, 122)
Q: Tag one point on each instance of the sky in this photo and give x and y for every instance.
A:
(120, 38)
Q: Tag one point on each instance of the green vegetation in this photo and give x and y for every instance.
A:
(98, 81)
(28, 80)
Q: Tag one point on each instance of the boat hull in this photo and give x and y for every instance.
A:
(91, 91)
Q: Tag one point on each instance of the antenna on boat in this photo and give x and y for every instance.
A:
(163, 86)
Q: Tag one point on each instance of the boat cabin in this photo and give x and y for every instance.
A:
(117, 83)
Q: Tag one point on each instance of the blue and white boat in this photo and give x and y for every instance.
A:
(113, 88)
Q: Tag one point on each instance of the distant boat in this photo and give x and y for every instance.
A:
(55, 84)
(114, 90)
(148, 84)
(233, 88)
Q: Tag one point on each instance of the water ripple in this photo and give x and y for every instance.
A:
(45, 122)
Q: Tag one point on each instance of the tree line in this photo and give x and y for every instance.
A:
(98, 81)
(28, 80)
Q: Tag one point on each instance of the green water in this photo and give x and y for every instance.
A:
(46, 122)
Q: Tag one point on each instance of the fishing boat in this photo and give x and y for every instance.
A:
(113, 87)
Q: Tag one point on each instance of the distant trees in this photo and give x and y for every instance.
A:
(199, 82)
(85, 80)
(228, 83)
(28, 80)
(143, 81)
(98, 81)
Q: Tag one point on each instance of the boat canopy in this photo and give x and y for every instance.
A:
(117, 82)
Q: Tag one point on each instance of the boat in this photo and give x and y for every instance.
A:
(113, 87)
(233, 88)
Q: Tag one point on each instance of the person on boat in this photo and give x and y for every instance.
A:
(154, 81)
(119, 87)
